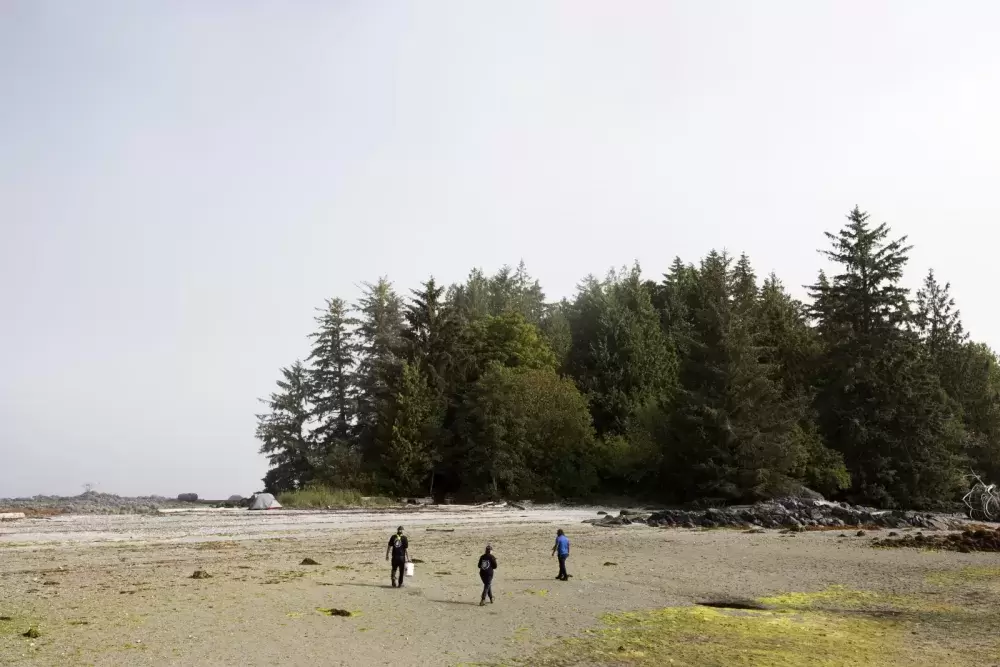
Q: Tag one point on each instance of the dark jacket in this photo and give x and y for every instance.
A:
(487, 564)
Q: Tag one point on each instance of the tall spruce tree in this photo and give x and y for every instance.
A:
(880, 401)
(791, 347)
(529, 299)
(733, 433)
(379, 346)
(968, 372)
(334, 394)
(939, 325)
(672, 297)
(472, 299)
(434, 346)
(423, 334)
(332, 359)
(937, 319)
(285, 435)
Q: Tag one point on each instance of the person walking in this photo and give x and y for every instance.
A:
(562, 549)
(399, 550)
(487, 566)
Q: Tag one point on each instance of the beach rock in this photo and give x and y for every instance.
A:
(968, 541)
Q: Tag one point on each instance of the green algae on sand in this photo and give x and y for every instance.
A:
(833, 627)
(710, 637)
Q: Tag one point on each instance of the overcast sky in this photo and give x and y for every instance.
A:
(182, 183)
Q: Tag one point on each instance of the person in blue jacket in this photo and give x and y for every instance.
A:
(562, 549)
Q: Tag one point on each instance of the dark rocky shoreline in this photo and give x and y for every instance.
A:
(788, 513)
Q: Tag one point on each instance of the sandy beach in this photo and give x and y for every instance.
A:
(117, 590)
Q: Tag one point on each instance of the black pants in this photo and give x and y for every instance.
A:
(562, 566)
(401, 565)
(487, 584)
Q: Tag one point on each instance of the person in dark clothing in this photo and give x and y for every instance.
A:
(398, 549)
(562, 548)
(487, 566)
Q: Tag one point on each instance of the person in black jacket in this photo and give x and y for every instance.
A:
(399, 548)
(487, 566)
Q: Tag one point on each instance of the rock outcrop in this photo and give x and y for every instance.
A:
(791, 513)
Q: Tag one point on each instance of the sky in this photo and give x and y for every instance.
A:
(183, 182)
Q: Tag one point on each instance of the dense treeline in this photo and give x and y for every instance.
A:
(710, 384)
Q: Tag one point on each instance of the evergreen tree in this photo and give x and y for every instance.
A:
(379, 335)
(529, 299)
(423, 334)
(332, 357)
(744, 286)
(411, 451)
(284, 433)
(939, 325)
(880, 401)
(793, 349)
(620, 357)
(555, 328)
(334, 396)
(937, 320)
(473, 299)
(733, 433)
(673, 297)
(503, 291)
(979, 397)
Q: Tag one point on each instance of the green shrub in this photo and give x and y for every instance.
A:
(317, 496)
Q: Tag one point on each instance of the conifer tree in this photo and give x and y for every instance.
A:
(734, 434)
(411, 451)
(334, 395)
(880, 401)
(285, 435)
(620, 357)
(332, 357)
(379, 345)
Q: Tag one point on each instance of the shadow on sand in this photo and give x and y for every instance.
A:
(364, 585)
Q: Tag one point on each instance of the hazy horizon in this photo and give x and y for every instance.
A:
(182, 184)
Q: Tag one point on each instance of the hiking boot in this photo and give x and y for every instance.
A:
(491, 600)
(482, 603)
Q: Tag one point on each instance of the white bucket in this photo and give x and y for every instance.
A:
(409, 569)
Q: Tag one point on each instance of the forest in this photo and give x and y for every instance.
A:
(709, 385)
